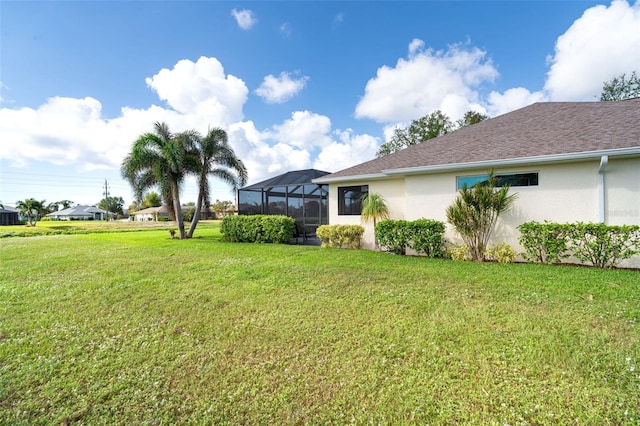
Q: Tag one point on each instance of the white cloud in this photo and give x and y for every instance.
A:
(277, 90)
(245, 18)
(201, 88)
(348, 151)
(304, 130)
(604, 42)
(285, 29)
(426, 81)
(512, 99)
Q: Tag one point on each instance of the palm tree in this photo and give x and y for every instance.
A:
(212, 156)
(158, 159)
(31, 208)
(374, 207)
(475, 211)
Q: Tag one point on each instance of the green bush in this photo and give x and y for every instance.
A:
(341, 236)
(502, 253)
(425, 236)
(604, 245)
(258, 229)
(544, 242)
(394, 235)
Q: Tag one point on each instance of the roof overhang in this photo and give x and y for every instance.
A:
(339, 179)
(499, 163)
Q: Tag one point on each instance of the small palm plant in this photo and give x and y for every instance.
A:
(374, 207)
(475, 211)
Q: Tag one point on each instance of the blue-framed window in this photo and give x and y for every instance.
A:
(511, 179)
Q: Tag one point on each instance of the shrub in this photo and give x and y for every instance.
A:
(460, 252)
(427, 237)
(258, 229)
(604, 245)
(341, 236)
(544, 242)
(475, 211)
(393, 235)
(501, 252)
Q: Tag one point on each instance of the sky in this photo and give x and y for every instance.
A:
(296, 84)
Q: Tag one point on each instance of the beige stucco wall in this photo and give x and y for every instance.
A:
(565, 193)
(393, 192)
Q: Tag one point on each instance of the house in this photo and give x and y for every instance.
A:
(568, 162)
(9, 216)
(79, 213)
(156, 214)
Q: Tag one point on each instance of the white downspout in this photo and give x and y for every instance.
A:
(604, 160)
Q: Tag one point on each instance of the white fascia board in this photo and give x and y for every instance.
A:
(373, 176)
(559, 158)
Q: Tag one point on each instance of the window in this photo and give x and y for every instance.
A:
(512, 179)
(350, 199)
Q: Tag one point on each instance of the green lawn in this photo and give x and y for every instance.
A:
(136, 328)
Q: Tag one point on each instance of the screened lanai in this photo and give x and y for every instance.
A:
(290, 194)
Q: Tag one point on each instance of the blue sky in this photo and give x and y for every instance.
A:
(295, 84)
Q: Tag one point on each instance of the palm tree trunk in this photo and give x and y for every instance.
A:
(178, 210)
(196, 216)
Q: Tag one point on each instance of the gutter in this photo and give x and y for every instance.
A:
(499, 163)
(604, 161)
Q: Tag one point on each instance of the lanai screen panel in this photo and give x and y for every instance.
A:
(292, 194)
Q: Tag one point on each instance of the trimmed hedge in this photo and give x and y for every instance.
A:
(341, 236)
(425, 236)
(258, 229)
(604, 246)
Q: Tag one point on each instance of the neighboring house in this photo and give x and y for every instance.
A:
(79, 213)
(151, 214)
(9, 216)
(567, 161)
(155, 214)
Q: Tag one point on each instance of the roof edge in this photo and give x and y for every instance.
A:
(372, 176)
(570, 157)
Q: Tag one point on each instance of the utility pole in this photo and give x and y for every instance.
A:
(106, 198)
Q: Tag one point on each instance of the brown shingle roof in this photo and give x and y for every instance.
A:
(539, 130)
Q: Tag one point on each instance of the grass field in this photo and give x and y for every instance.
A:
(136, 328)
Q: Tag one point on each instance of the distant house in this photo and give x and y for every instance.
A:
(151, 214)
(567, 161)
(156, 214)
(9, 216)
(79, 213)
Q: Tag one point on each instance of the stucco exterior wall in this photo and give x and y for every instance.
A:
(622, 200)
(393, 192)
(565, 192)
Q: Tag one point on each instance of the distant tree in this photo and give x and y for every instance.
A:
(65, 203)
(53, 207)
(112, 205)
(31, 208)
(158, 159)
(374, 207)
(620, 88)
(151, 199)
(470, 118)
(212, 156)
(428, 127)
(221, 207)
